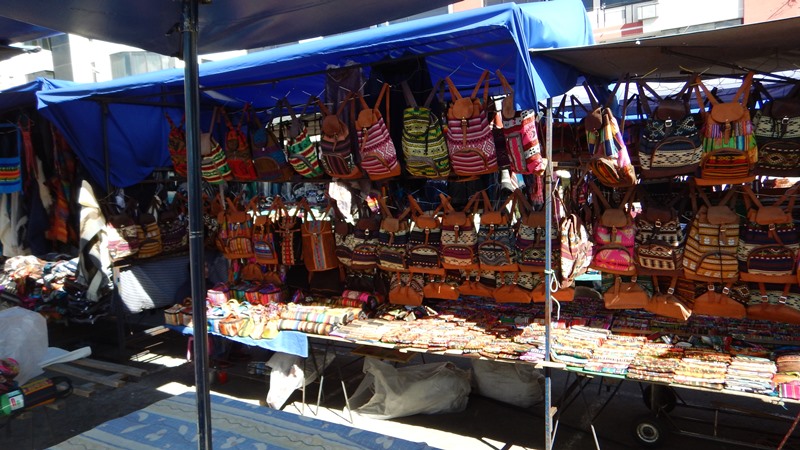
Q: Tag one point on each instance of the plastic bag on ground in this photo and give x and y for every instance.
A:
(388, 392)
(515, 384)
(23, 336)
(286, 375)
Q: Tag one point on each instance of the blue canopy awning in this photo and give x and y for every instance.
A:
(24, 95)
(459, 45)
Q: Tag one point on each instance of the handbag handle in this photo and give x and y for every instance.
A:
(411, 102)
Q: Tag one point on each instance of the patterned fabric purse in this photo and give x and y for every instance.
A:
(424, 240)
(469, 133)
(319, 246)
(459, 236)
(237, 227)
(531, 236)
(378, 155)
(123, 236)
(237, 149)
(659, 241)
(300, 151)
(336, 149)
(614, 235)
(176, 144)
(519, 129)
(670, 142)
(712, 241)
(173, 225)
(424, 146)
(365, 240)
(576, 249)
(777, 129)
(214, 164)
(729, 145)
(269, 158)
(496, 236)
(610, 162)
(288, 229)
(263, 235)
(392, 238)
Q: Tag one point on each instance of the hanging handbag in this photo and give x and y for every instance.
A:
(496, 236)
(264, 246)
(610, 162)
(423, 254)
(729, 145)
(342, 235)
(288, 233)
(441, 288)
(319, 246)
(392, 238)
(670, 143)
(718, 304)
(777, 130)
(378, 154)
(365, 240)
(406, 289)
(173, 225)
(774, 302)
(614, 235)
(667, 304)
(149, 236)
(237, 239)
(301, 152)
(237, 149)
(336, 149)
(710, 253)
(423, 141)
(176, 145)
(459, 236)
(659, 241)
(576, 249)
(123, 236)
(769, 241)
(511, 292)
(469, 133)
(213, 163)
(519, 129)
(531, 236)
(269, 158)
(625, 295)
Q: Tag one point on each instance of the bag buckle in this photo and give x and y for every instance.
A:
(671, 290)
(711, 288)
(668, 123)
(785, 120)
(764, 298)
(782, 300)
(726, 290)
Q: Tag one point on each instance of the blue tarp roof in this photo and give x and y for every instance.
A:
(24, 95)
(460, 45)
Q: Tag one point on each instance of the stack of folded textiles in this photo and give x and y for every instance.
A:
(315, 319)
(788, 377)
(702, 368)
(656, 362)
(751, 374)
(615, 355)
(576, 346)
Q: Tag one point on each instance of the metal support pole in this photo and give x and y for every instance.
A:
(104, 108)
(197, 267)
(548, 275)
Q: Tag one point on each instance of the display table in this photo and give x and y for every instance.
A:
(291, 342)
(172, 423)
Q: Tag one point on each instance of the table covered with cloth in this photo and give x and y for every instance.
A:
(171, 423)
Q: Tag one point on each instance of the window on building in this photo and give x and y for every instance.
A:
(125, 64)
(42, 73)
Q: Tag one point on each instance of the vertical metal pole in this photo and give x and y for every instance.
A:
(191, 93)
(548, 274)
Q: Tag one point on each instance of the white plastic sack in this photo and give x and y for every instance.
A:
(388, 392)
(23, 336)
(286, 375)
(515, 384)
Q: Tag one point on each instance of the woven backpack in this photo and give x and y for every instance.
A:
(392, 238)
(269, 157)
(176, 144)
(521, 138)
(237, 149)
(423, 141)
(459, 236)
(424, 240)
(496, 251)
(730, 153)
(319, 245)
(336, 148)
(236, 231)
(777, 129)
(614, 234)
(531, 236)
(378, 154)
(469, 132)
(659, 240)
(300, 151)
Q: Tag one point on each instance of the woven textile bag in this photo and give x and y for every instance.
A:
(319, 245)
(288, 232)
(237, 149)
(336, 149)
(777, 129)
(236, 231)
(300, 151)
(213, 163)
(176, 144)
(392, 238)
(769, 241)
(610, 162)
(459, 236)
(269, 158)
(469, 133)
(263, 234)
(365, 240)
(712, 241)
(423, 141)
(576, 249)
(659, 241)
(149, 236)
(531, 236)
(670, 143)
(730, 152)
(614, 235)
(496, 250)
(173, 224)
(424, 240)
(774, 302)
(378, 155)
(343, 236)
(519, 129)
